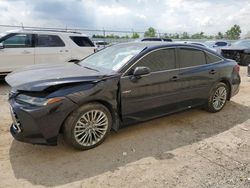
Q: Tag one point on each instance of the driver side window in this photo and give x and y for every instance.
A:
(18, 41)
(159, 60)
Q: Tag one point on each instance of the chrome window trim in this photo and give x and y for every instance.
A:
(176, 47)
(170, 47)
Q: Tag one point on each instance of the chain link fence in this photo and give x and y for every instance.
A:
(104, 35)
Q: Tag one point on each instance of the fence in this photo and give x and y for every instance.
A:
(124, 35)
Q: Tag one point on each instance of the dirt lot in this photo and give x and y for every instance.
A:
(188, 149)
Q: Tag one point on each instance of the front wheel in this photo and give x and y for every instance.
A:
(88, 126)
(218, 98)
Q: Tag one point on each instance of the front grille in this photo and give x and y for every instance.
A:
(12, 94)
(16, 122)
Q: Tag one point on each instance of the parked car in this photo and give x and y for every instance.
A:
(155, 39)
(198, 43)
(28, 47)
(238, 51)
(217, 44)
(116, 86)
(101, 45)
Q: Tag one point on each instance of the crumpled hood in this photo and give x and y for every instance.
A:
(40, 77)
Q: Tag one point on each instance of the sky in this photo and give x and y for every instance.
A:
(167, 16)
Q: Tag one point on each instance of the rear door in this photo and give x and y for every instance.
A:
(50, 49)
(152, 94)
(81, 46)
(18, 52)
(197, 74)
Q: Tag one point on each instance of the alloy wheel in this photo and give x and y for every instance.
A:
(91, 127)
(219, 98)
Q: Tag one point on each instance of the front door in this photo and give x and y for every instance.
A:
(17, 52)
(153, 94)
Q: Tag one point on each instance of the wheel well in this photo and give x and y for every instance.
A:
(229, 87)
(104, 103)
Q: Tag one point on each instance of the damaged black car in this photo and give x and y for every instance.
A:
(238, 51)
(119, 85)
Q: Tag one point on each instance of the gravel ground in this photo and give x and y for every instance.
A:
(188, 149)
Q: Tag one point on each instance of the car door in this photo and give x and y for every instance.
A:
(50, 49)
(155, 93)
(17, 52)
(197, 74)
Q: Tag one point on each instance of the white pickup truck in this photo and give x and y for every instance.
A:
(24, 47)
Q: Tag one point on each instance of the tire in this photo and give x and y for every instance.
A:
(220, 94)
(88, 126)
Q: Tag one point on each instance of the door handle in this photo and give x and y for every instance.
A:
(174, 78)
(26, 52)
(212, 71)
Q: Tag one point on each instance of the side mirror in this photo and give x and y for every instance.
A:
(1, 46)
(140, 71)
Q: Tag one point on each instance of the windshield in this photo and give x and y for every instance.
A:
(112, 58)
(2, 34)
(244, 43)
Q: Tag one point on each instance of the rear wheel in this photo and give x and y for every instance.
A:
(88, 126)
(218, 98)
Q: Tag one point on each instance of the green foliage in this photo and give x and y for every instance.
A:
(97, 36)
(185, 35)
(151, 32)
(198, 36)
(233, 33)
(135, 36)
(219, 36)
(111, 36)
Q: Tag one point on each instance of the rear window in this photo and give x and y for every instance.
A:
(221, 43)
(212, 58)
(49, 41)
(82, 41)
(168, 40)
(191, 57)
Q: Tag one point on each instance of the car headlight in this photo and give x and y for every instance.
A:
(37, 101)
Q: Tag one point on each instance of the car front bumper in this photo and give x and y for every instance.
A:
(38, 125)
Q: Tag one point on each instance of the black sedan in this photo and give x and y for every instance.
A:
(239, 51)
(119, 85)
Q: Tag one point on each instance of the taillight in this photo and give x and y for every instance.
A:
(237, 68)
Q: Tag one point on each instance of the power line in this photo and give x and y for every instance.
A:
(78, 29)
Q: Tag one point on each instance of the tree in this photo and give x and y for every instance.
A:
(185, 35)
(198, 36)
(233, 33)
(151, 32)
(219, 36)
(135, 36)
